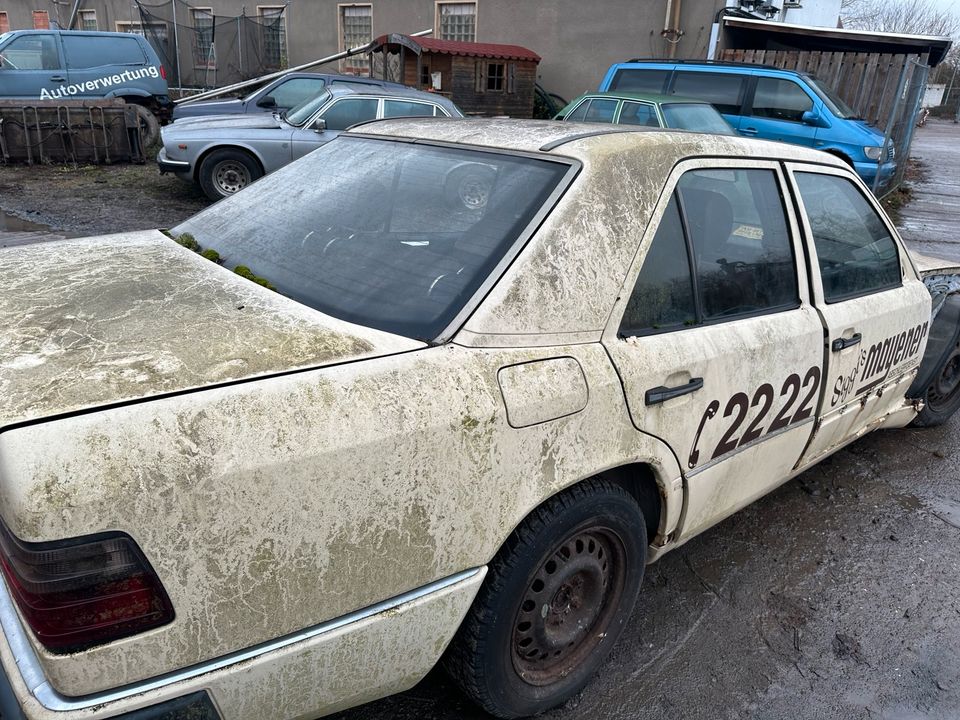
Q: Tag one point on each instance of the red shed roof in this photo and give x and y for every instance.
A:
(460, 47)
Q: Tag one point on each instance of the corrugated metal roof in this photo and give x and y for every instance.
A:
(460, 47)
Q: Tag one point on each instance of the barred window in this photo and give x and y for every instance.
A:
(356, 29)
(204, 53)
(457, 21)
(274, 36)
(88, 20)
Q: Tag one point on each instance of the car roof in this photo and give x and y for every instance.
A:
(569, 138)
(643, 97)
(104, 33)
(717, 66)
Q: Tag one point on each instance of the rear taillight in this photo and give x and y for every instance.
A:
(163, 72)
(85, 591)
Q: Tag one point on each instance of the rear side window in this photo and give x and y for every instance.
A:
(780, 100)
(634, 113)
(295, 91)
(636, 80)
(854, 250)
(723, 91)
(722, 251)
(595, 110)
(32, 52)
(663, 296)
(91, 51)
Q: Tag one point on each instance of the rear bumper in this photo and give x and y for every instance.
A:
(376, 651)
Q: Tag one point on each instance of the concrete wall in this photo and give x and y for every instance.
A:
(577, 40)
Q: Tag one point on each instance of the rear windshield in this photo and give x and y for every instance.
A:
(390, 235)
(698, 117)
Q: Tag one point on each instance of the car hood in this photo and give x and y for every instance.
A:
(208, 107)
(101, 320)
(262, 121)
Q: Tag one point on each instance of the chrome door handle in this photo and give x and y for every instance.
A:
(843, 343)
(663, 393)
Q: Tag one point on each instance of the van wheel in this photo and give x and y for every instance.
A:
(149, 125)
(227, 171)
(556, 597)
(942, 398)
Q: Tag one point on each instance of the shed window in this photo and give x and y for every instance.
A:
(495, 76)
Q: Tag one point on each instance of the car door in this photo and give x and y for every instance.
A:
(776, 112)
(96, 63)
(337, 117)
(32, 67)
(715, 338)
(874, 307)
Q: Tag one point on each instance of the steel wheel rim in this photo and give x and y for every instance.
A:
(567, 606)
(947, 383)
(230, 176)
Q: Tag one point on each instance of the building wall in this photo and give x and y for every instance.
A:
(577, 40)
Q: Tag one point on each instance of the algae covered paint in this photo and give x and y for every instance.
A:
(283, 470)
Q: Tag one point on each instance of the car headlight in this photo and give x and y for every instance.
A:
(872, 153)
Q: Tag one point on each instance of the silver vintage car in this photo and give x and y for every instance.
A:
(224, 154)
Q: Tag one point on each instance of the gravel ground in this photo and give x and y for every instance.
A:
(836, 596)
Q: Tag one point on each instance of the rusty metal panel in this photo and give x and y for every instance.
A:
(77, 131)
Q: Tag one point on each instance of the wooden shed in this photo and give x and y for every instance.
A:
(481, 78)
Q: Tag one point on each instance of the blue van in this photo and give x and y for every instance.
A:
(765, 102)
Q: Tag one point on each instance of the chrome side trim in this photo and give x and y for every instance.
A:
(32, 671)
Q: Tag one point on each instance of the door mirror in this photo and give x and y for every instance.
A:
(813, 117)
(267, 102)
(319, 125)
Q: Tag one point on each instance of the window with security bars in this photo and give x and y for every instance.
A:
(88, 19)
(457, 21)
(273, 36)
(204, 54)
(356, 29)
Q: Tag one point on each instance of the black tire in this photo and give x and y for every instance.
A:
(149, 126)
(942, 398)
(468, 187)
(227, 171)
(555, 600)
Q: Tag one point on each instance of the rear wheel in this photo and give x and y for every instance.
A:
(555, 600)
(227, 171)
(942, 398)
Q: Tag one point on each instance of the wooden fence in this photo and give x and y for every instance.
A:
(867, 82)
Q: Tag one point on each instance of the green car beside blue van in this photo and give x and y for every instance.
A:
(766, 102)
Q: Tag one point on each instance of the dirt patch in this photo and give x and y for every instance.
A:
(97, 199)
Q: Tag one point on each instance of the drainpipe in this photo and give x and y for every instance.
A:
(671, 27)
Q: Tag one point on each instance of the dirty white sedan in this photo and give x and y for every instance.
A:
(372, 427)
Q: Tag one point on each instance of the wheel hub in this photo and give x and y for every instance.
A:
(231, 177)
(947, 383)
(567, 606)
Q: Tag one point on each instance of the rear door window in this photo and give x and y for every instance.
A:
(722, 90)
(780, 100)
(637, 80)
(406, 108)
(636, 113)
(91, 51)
